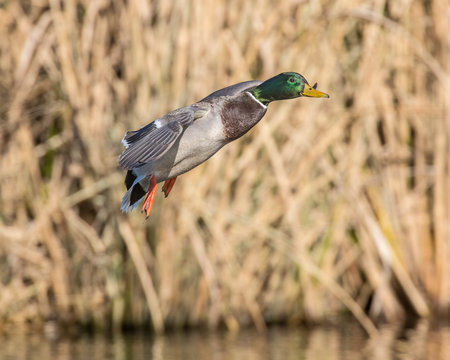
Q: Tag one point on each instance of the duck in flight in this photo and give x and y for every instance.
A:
(184, 138)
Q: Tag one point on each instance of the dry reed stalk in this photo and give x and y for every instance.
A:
(348, 197)
(144, 276)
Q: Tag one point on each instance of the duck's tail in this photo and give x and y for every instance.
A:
(137, 187)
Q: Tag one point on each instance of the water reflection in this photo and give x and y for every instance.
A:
(346, 342)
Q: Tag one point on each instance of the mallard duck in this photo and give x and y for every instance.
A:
(184, 138)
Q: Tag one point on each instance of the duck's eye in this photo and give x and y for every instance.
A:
(292, 80)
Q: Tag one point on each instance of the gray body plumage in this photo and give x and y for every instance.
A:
(186, 137)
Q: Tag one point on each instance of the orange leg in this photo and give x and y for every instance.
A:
(168, 185)
(148, 202)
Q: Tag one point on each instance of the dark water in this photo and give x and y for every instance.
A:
(344, 342)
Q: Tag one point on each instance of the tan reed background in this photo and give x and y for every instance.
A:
(327, 207)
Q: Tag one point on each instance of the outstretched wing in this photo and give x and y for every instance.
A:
(155, 139)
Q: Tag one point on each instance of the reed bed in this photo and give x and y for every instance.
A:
(327, 207)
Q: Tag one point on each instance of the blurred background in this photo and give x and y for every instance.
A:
(328, 209)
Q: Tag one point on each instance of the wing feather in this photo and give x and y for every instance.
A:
(154, 140)
(150, 147)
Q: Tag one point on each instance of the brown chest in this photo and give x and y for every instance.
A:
(239, 114)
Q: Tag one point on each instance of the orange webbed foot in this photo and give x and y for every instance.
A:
(148, 202)
(168, 185)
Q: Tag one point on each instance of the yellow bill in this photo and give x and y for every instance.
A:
(310, 91)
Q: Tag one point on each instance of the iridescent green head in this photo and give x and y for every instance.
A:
(288, 85)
